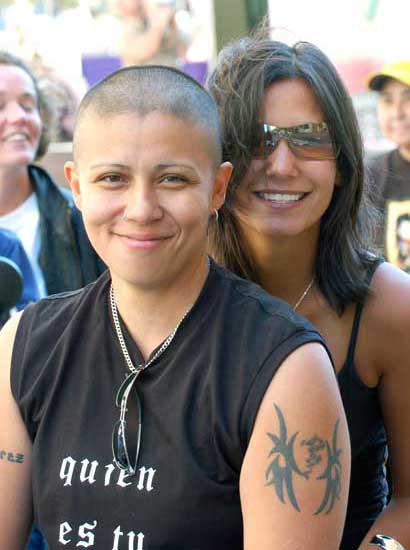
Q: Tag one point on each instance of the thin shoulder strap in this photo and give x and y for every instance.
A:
(358, 314)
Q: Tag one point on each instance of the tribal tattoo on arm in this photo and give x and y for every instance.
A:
(331, 475)
(283, 468)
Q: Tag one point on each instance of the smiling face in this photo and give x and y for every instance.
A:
(283, 195)
(20, 123)
(394, 114)
(146, 187)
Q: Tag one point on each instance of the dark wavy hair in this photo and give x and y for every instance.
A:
(44, 108)
(244, 69)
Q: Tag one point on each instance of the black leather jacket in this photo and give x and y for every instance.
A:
(67, 259)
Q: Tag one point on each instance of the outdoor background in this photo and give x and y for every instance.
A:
(77, 41)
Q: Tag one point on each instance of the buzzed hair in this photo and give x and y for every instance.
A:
(144, 89)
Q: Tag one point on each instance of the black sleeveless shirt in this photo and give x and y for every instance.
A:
(199, 399)
(368, 485)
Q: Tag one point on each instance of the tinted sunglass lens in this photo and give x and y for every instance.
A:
(314, 152)
(132, 428)
(119, 448)
(126, 437)
(309, 141)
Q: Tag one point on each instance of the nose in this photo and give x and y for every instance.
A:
(15, 112)
(142, 204)
(282, 161)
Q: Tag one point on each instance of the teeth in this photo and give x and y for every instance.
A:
(281, 197)
(15, 137)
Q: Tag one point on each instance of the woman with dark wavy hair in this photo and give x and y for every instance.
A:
(297, 221)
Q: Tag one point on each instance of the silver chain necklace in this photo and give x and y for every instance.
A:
(304, 294)
(120, 336)
(132, 368)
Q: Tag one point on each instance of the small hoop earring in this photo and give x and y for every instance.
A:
(216, 215)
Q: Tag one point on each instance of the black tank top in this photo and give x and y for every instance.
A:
(368, 486)
(200, 400)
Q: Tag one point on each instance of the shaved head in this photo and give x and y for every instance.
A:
(141, 90)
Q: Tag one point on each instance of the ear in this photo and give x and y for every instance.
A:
(72, 177)
(222, 177)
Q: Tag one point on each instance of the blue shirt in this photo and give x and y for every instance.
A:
(11, 248)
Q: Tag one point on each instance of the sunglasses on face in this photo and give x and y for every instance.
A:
(310, 141)
(126, 436)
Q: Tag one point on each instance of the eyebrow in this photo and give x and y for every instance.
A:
(173, 165)
(24, 95)
(109, 165)
(158, 167)
(28, 94)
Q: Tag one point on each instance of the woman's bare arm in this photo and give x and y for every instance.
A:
(388, 326)
(295, 476)
(15, 456)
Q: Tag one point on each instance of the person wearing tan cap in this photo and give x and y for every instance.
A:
(390, 172)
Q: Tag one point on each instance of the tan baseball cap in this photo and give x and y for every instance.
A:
(400, 70)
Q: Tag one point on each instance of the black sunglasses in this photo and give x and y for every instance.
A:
(309, 141)
(123, 432)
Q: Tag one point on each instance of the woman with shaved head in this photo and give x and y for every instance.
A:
(169, 404)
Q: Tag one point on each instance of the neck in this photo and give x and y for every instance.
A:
(405, 153)
(15, 188)
(151, 315)
(285, 265)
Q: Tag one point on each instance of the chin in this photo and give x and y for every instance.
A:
(281, 231)
(21, 160)
(147, 283)
(143, 277)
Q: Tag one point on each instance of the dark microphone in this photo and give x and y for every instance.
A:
(11, 284)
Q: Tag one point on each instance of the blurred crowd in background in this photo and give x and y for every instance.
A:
(70, 44)
(73, 43)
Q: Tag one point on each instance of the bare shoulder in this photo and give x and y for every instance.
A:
(388, 307)
(307, 383)
(296, 468)
(7, 337)
(387, 316)
(390, 291)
